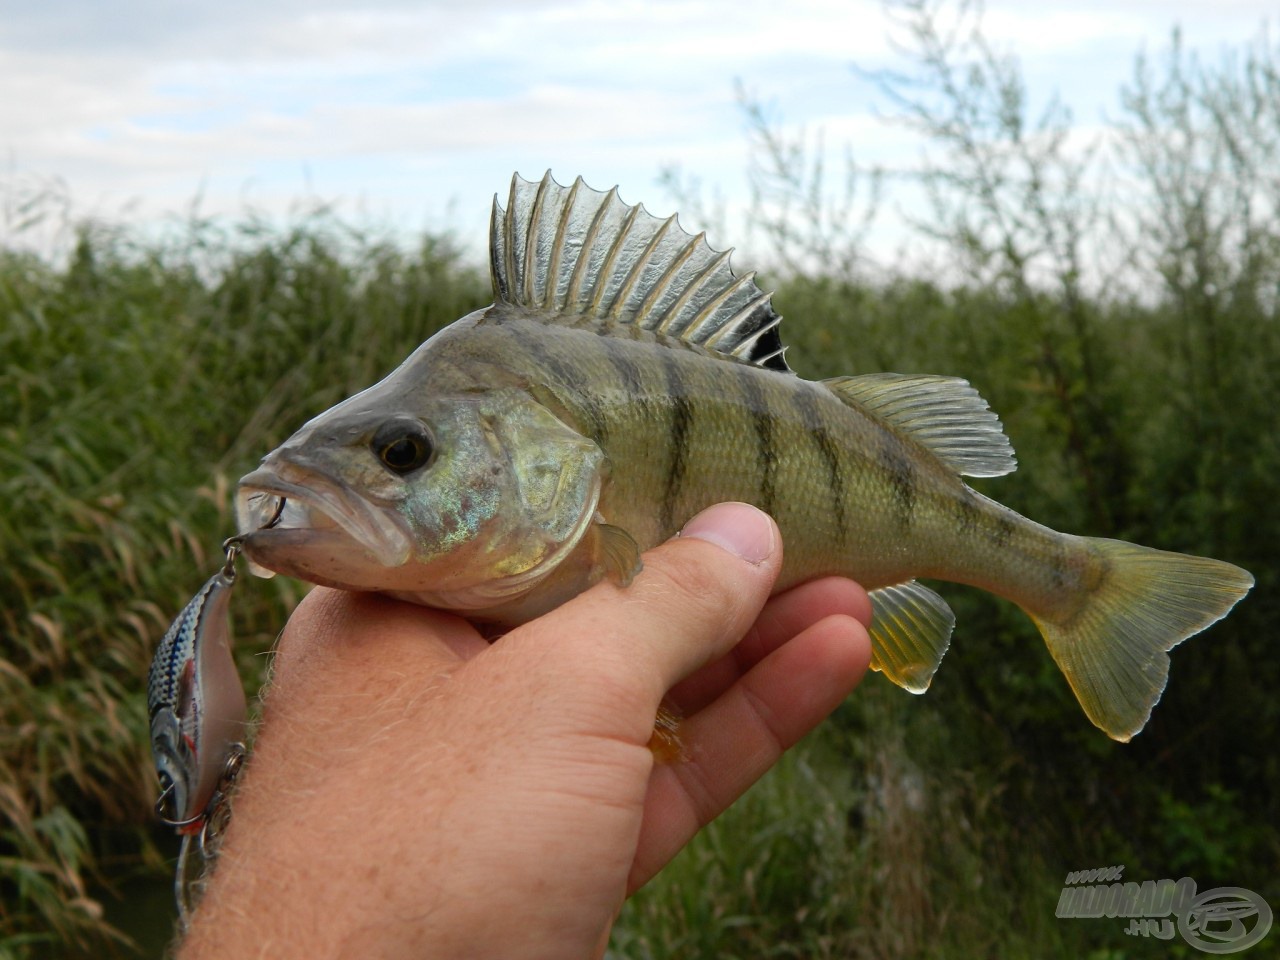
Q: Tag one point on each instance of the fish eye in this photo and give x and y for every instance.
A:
(403, 446)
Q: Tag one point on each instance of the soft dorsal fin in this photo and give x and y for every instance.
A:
(573, 254)
(944, 413)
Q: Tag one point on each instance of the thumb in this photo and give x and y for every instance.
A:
(695, 598)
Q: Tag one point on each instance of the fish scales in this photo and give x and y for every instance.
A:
(696, 458)
(624, 379)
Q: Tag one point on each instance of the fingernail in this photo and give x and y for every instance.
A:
(737, 527)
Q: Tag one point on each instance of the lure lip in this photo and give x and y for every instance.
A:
(288, 501)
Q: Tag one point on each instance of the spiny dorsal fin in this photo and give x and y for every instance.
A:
(573, 253)
(944, 413)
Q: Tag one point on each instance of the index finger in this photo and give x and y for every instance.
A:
(783, 617)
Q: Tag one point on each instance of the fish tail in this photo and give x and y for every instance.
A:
(1140, 603)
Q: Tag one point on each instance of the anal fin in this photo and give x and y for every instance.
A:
(910, 631)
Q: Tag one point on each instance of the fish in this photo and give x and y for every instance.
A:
(197, 706)
(625, 378)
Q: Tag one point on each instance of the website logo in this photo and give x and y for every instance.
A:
(1222, 920)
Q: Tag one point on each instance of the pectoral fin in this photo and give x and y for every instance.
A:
(617, 552)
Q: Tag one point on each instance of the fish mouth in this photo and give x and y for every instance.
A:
(286, 501)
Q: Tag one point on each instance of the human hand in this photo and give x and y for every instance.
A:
(417, 792)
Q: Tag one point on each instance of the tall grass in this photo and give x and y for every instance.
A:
(139, 380)
(852, 849)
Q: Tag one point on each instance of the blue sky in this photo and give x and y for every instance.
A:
(414, 113)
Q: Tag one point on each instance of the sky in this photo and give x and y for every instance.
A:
(413, 114)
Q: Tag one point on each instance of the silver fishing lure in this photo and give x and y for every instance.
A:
(198, 714)
(196, 703)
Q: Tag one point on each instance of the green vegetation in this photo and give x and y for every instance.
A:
(139, 382)
(1130, 349)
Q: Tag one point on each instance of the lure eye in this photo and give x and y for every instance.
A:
(403, 446)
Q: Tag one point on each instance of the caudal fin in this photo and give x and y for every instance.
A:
(1114, 647)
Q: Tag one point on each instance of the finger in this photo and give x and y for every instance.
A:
(695, 598)
(782, 618)
(335, 636)
(742, 734)
(788, 613)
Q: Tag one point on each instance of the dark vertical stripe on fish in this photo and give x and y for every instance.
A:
(805, 402)
(1002, 536)
(624, 366)
(763, 421)
(566, 375)
(1058, 564)
(902, 477)
(967, 511)
(681, 422)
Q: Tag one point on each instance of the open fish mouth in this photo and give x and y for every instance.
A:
(288, 499)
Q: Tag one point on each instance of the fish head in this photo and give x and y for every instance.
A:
(460, 501)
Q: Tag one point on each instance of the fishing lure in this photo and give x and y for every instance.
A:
(198, 710)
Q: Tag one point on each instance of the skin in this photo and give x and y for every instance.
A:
(418, 792)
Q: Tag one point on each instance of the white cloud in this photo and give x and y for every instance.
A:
(406, 104)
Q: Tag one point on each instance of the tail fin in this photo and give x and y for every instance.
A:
(1114, 647)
